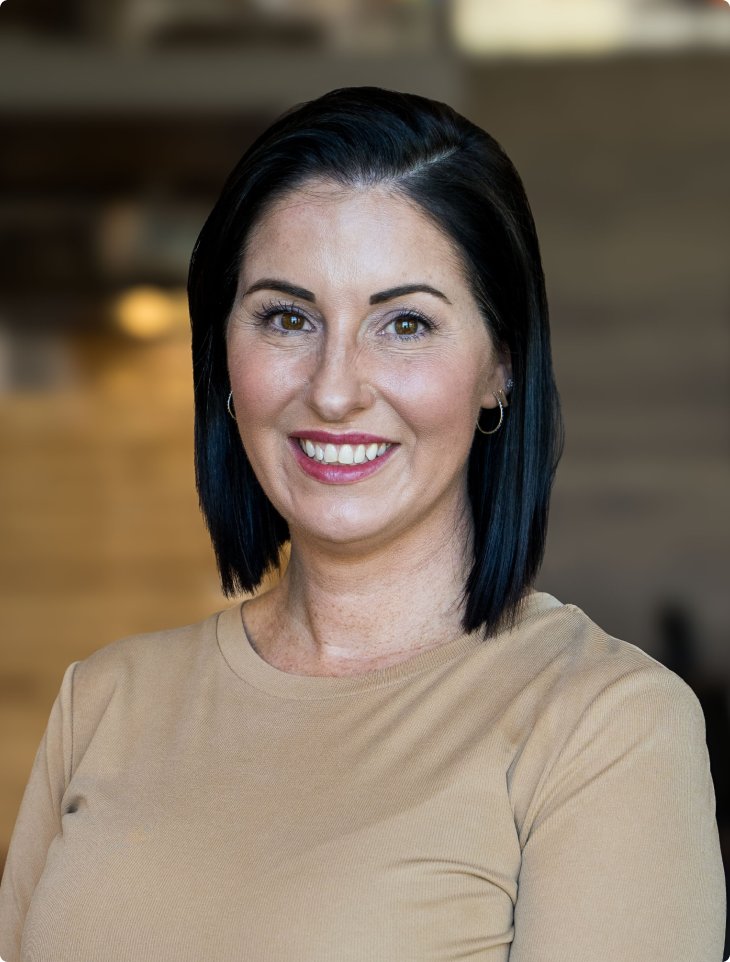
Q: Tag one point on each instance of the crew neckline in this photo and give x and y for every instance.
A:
(251, 668)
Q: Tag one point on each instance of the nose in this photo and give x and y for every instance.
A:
(338, 387)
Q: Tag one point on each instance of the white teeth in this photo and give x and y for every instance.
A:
(346, 455)
(343, 453)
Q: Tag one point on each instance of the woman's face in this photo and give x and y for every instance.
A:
(358, 362)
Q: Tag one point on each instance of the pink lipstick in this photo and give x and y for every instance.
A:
(340, 458)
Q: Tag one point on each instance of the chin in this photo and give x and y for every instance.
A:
(347, 528)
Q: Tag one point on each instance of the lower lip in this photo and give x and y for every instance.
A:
(338, 473)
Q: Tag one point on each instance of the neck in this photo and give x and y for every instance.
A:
(348, 615)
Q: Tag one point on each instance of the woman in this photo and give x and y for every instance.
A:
(400, 751)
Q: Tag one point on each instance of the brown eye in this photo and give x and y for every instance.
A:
(291, 322)
(405, 326)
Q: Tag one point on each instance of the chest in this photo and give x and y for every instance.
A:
(275, 841)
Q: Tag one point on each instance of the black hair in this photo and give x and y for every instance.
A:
(460, 177)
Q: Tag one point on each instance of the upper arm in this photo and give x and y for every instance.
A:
(621, 862)
(38, 822)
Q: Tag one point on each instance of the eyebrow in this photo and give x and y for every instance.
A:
(407, 289)
(274, 284)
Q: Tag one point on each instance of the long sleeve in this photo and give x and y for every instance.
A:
(621, 860)
(38, 823)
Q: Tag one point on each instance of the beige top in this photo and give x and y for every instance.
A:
(540, 797)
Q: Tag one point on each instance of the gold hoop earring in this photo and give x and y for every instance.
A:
(229, 406)
(481, 430)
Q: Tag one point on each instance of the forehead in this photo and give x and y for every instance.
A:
(368, 234)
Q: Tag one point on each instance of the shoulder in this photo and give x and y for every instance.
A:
(140, 679)
(163, 653)
(593, 704)
(622, 689)
(570, 658)
(631, 697)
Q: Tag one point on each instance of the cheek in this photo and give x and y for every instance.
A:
(441, 400)
(258, 391)
(259, 386)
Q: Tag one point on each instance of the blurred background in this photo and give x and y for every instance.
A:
(119, 122)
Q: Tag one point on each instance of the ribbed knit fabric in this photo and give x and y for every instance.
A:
(540, 797)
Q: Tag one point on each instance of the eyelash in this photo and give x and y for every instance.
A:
(268, 311)
(411, 315)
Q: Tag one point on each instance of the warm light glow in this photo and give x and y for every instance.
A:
(149, 312)
(584, 27)
(536, 26)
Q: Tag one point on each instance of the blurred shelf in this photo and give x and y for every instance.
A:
(54, 76)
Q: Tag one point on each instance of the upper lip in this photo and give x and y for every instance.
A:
(324, 437)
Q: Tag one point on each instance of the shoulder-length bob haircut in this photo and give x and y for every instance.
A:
(461, 178)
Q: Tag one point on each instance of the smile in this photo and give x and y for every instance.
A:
(342, 453)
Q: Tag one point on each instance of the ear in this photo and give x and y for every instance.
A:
(497, 381)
